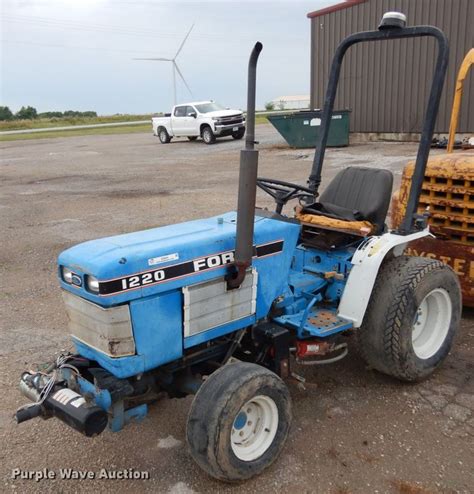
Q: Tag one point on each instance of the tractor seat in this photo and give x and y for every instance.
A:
(356, 201)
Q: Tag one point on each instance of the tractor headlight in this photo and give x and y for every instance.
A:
(66, 275)
(92, 284)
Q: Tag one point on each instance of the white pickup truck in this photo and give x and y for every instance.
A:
(204, 119)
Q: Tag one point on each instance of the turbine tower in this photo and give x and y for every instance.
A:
(174, 65)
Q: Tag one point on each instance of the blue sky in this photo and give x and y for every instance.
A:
(78, 54)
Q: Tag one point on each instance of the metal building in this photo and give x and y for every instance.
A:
(294, 102)
(386, 85)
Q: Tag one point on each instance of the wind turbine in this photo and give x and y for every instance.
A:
(174, 65)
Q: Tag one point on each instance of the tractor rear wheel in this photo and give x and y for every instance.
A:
(239, 421)
(412, 318)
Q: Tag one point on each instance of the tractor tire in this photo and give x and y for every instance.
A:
(164, 136)
(192, 138)
(207, 135)
(239, 421)
(239, 133)
(412, 318)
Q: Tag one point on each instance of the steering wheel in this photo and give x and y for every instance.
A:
(282, 191)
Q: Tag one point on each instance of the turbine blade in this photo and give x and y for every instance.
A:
(155, 59)
(184, 41)
(182, 77)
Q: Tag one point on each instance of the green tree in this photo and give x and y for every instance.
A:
(51, 114)
(5, 113)
(270, 106)
(27, 113)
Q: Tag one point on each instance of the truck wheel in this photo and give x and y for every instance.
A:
(164, 136)
(239, 421)
(192, 138)
(412, 318)
(208, 136)
(239, 133)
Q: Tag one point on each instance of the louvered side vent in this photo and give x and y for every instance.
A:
(208, 305)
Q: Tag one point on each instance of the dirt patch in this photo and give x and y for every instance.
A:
(134, 194)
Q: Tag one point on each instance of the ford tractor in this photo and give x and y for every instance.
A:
(223, 307)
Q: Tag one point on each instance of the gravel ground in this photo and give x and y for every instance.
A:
(353, 431)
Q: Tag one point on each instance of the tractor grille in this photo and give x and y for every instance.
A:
(107, 330)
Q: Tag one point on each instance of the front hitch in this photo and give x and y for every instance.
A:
(83, 395)
(52, 398)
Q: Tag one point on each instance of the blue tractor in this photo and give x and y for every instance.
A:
(221, 307)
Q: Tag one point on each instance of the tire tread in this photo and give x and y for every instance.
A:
(380, 339)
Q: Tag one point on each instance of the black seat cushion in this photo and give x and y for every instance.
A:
(355, 194)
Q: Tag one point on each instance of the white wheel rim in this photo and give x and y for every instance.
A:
(431, 325)
(254, 428)
(207, 136)
(163, 135)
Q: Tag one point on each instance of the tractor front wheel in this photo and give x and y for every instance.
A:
(239, 421)
(412, 318)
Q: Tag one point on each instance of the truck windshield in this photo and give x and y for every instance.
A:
(208, 107)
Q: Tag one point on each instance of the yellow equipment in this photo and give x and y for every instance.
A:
(463, 70)
(448, 196)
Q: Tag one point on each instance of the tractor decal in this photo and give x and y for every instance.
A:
(187, 268)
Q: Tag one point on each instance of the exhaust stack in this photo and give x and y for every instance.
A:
(247, 182)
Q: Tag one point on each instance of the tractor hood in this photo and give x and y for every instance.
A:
(143, 263)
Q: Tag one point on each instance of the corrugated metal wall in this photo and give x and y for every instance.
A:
(386, 84)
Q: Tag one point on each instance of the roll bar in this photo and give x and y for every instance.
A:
(412, 220)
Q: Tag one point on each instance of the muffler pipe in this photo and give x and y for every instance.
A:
(247, 183)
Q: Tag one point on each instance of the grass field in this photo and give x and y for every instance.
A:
(42, 123)
(125, 129)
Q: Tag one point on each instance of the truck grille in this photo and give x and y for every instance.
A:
(232, 120)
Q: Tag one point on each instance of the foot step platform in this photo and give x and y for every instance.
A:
(315, 322)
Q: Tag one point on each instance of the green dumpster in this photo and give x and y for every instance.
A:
(300, 129)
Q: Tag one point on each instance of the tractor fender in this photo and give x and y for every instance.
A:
(366, 262)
